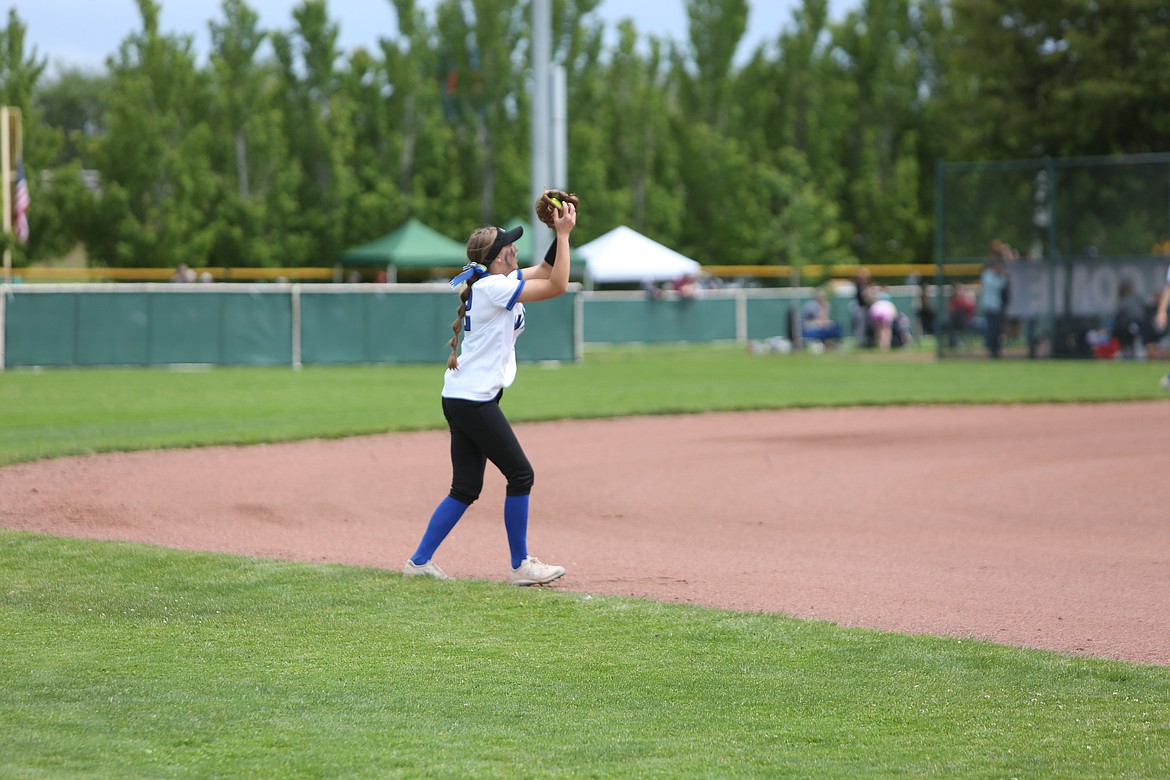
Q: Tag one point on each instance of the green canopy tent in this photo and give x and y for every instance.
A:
(414, 245)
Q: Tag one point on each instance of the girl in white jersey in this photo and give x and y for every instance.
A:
(491, 317)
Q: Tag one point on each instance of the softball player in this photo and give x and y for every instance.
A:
(491, 317)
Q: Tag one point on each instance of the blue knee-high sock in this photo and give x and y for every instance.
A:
(516, 524)
(446, 515)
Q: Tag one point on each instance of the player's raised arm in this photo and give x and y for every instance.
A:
(564, 220)
(548, 205)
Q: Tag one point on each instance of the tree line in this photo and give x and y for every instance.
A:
(820, 146)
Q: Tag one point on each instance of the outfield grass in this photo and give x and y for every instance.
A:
(81, 411)
(130, 661)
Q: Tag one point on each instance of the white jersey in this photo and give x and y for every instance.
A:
(487, 358)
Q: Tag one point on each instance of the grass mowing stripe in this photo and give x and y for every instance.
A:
(133, 661)
(94, 410)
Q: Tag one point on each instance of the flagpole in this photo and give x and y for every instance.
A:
(13, 146)
(6, 177)
(541, 116)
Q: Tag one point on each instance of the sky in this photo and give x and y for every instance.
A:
(84, 33)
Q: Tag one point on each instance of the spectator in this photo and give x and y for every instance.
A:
(1132, 326)
(684, 286)
(859, 307)
(891, 328)
(993, 299)
(709, 282)
(652, 290)
(882, 316)
(183, 273)
(926, 314)
(816, 324)
(960, 314)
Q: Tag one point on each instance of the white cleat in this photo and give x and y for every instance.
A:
(428, 569)
(533, 572)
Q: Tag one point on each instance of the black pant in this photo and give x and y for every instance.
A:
(479, 433)
(994, 335)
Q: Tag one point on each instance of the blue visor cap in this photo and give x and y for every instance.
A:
(503, 238)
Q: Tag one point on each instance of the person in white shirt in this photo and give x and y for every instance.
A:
(491, 318)
(993, 291)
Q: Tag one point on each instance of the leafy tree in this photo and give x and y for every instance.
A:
(799, 99)
(884, 195)
(422, 173)
(71, 102)
(715, 29)
(249, 151)
(718, 161)
(796, 113)
(156, 177)
(821, 148)
(318, 123)
(641, 182)
(1061, 77)
(19, 71)
(377, 203)
(485, 45)
(788, 219)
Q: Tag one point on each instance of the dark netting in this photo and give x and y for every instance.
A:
(1078, 235)
(980, 205)
(1120, 209)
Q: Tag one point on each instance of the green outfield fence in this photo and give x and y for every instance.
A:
(306, 324)
(1079, 228)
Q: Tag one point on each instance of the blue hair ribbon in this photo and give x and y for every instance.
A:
(469, 270)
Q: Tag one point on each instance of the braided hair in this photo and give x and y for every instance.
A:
(478, 245)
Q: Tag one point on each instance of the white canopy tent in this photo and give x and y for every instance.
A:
(625, 255)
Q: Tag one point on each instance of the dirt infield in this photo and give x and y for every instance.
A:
(1038, 526)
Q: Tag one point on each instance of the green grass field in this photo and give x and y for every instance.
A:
(127, 661)
(82, 411)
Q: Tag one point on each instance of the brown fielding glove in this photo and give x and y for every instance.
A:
(546, 209)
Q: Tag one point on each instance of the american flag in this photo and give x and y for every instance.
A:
(20, 205)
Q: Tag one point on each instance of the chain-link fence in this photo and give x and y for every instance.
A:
(1085, 243)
